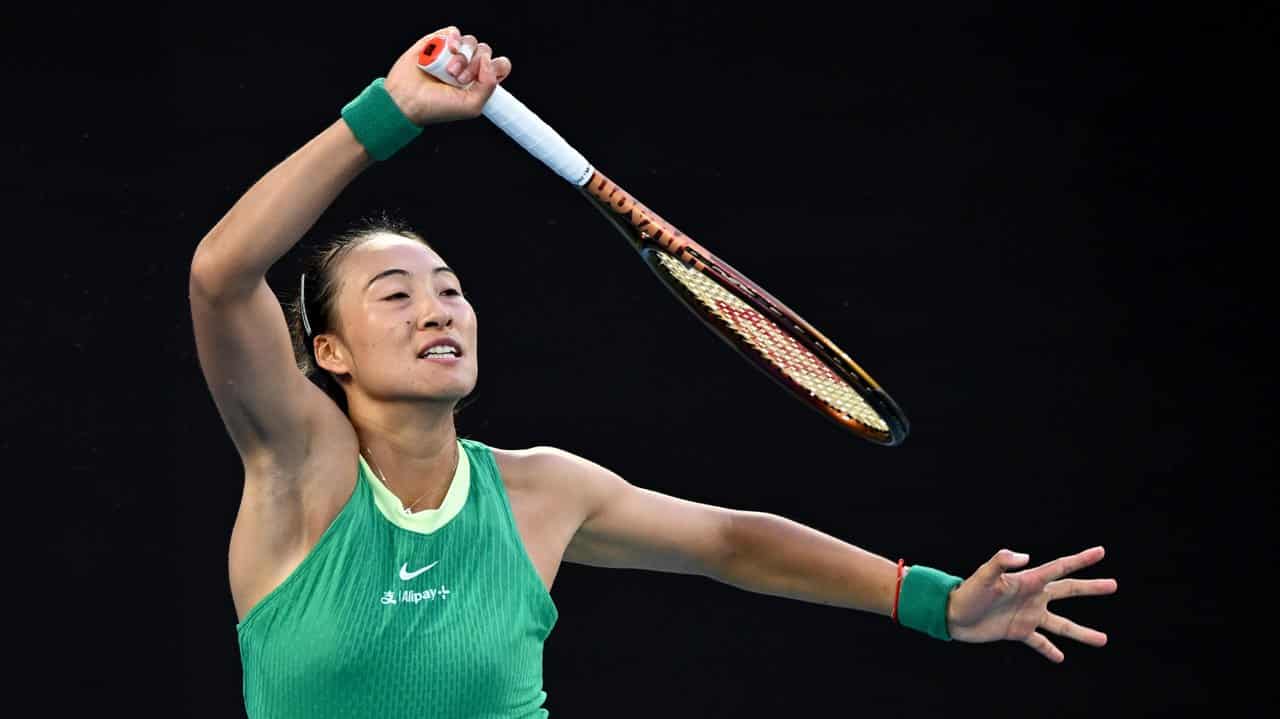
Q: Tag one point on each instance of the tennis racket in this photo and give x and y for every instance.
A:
(760, 328)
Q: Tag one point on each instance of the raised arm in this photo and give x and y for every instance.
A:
(241, 334)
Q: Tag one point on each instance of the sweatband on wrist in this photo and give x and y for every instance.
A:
(378, 123)
(923, 602)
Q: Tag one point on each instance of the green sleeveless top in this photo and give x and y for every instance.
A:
(437, 614)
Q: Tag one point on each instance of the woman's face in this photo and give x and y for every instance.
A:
(396, 299)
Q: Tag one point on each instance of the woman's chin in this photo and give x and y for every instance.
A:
(448, 392)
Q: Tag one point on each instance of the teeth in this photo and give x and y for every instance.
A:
(440, 350)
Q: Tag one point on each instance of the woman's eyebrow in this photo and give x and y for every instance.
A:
(399, 271)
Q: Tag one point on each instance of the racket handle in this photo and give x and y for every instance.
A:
(513, 118)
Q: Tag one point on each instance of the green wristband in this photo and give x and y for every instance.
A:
(922, 604)
(378, 123)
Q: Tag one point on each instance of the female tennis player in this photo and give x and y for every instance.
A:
(382, 566)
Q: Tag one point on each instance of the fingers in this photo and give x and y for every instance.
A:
(466, 64)
(1064, 627)
(451, 34)
(481, 55)
(501, 68)
(1040, 643)
(1064, 588)
(1004, 560)
(1066, 565)
(481, 67)
(487, 79)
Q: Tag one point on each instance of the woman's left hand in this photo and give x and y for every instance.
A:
(996, 603)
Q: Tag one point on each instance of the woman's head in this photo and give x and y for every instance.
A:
(375, 297)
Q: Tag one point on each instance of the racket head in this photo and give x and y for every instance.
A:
(764, 331)
(781, 344)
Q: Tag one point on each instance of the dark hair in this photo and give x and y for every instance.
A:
(319, 273)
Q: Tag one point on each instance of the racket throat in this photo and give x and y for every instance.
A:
(636, 222)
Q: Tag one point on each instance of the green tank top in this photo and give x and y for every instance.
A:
(436, 614)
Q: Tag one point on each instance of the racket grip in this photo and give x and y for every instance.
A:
(512, 117)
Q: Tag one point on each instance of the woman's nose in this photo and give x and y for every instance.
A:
(437, 316)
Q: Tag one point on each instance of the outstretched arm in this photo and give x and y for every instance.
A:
(628, 526)
(774, 555)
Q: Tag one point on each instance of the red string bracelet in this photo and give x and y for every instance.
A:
(896, 592)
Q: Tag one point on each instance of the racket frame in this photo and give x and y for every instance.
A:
(650, 235)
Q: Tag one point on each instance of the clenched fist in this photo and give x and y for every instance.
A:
(426, 100)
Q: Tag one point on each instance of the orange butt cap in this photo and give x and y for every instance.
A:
(431, 51)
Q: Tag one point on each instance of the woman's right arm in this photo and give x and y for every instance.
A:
(242, 337)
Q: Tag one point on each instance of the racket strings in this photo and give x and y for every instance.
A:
(774, 344)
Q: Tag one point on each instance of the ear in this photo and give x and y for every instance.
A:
(331, 354)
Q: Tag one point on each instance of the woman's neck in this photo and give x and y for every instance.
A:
(414, 449)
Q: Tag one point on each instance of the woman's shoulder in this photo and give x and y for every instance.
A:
(546, 468)
(522, 466)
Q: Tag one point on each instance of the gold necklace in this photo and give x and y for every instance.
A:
(409, 510)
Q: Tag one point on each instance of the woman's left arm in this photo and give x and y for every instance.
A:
(769, 554)
(620, 525)
(625, 526)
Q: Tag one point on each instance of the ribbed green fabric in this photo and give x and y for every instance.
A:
(377, 122)
(922, 603)
(345, 636)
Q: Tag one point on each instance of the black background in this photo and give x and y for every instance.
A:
(1027, 222)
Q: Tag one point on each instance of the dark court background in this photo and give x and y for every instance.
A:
(1026, 221)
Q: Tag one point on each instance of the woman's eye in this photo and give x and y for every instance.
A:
(392, 297)
(452, 291)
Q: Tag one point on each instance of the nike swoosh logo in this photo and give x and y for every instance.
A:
(406, 575)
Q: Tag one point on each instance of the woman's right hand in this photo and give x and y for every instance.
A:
(426, 100)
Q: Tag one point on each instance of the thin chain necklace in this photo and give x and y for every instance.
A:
(409, 509)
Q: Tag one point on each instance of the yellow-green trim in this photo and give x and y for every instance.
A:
(424, 521)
